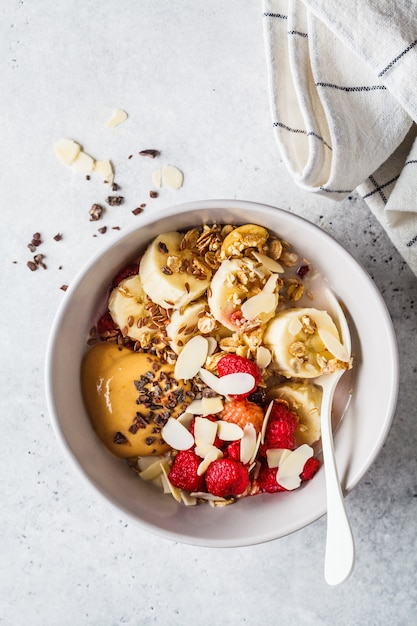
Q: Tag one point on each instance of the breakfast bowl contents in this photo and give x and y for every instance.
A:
(199, 341)
(181, 372)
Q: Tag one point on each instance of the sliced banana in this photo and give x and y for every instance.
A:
(234, 284)
(170, 276)
(184, 324)
(296, 339)
(304, 399)
(243, 237)
(127, 308)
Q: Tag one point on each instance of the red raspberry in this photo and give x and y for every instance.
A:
(183, 473)
(280, 430)
(311, 466)
(266, 481)
(232, 363)
(226, 477)
(105, 323)
(129, 270)
(243, 412)
(233, 450)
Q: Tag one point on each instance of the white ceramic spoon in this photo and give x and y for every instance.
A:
(340, 549)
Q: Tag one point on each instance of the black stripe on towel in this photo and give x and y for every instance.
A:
(397, 58)
(363, 88)
(279, 16)
(335, 190)
(301, 131)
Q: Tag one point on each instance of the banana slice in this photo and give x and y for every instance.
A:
(127, 307)
(232, 288)
(304, 399)
(243, 237)
(184, 324)
(305, 343)
(170, 276)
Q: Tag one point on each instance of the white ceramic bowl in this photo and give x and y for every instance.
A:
(358, 437)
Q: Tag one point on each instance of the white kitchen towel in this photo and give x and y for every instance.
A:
(343, 84)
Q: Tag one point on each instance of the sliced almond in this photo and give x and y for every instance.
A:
(294, 326)
(270, 284)
(268, 263)
(203, 495)
(263, 302)
(105, 170)
(83, 164)
(187, 499)
(263, 357)
(172, 177)
(276, 456)
(66, 150)
(157, 178)
(237, 383)
(247, 443)
(212, 405)
(118, 116)
(212, 455)
(288, 474)
(265, 422)
(191, 358)
(185, 419)
(255, 452)
(333, 345)
(227, 431)
(212, 343)
(204, 431)
(176, 435)
(152, 471)
(210, 379)
(174, 490)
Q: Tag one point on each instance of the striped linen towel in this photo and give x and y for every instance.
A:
(343, 84)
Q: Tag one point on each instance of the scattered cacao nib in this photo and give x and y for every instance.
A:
(31, 247)
(32, 266)
(119, 438)
(64, 287)
(115, 227)
(137, 211)
(36, 239)
(153, 194)
(96, 212)
(149, 153)
(115, 187)
(115, 200)
(102, 230)
(88, 177)
(162, 247)
(150, 440)
(134, 428)
(303, 270)
(58, 237)
(38, 259)
(130, 156)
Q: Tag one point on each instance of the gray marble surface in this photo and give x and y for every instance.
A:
(192, 77)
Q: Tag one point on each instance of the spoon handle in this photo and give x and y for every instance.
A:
(340, 549)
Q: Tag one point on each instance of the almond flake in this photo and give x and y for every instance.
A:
(268, 263)
(237, 383)
(247, 443)
(212, 455)
(212, 345)
(204, 431)
(294, 326)
(227, 431)
(152, 471)
(118, 116)
(263, 357)
(265, 422)
(191, 358)
(145, 461)
(157, 178)
(270, 284)
(174, 491)
(66, 150)
(288, 474)
(83, 164)
(187, 499)
(275, 456)
(203, 495)
(172, 177)
(185, 419)
(176, 435)
(212, 405)
(263, 302)
(210, 379)
(255, 452)
(333, 345)
(105, 170)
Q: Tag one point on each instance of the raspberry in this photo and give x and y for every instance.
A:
(280, 430)
(183, 473)
(233, 450)
(311, 466)
(243, 412)
(129, 270)
(226, 477)
(105, 323)
(266, 481)
(232, 363)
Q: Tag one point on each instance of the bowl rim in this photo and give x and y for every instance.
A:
(147, 219)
